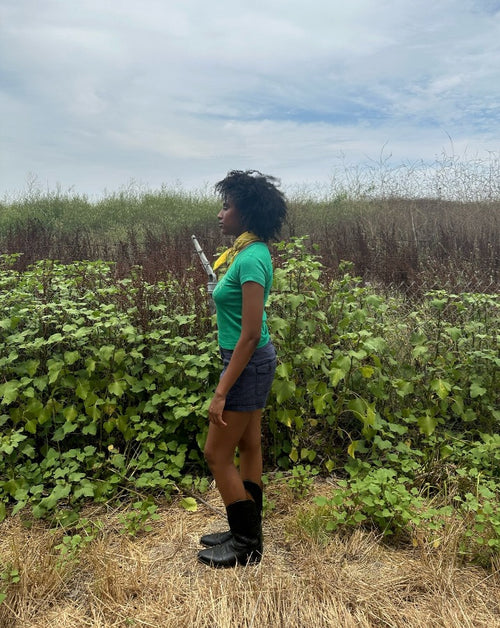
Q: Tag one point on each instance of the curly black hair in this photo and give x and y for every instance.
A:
(261, 205)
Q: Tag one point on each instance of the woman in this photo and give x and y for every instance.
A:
(253, 212)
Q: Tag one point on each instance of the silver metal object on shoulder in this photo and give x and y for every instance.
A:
(212, 279)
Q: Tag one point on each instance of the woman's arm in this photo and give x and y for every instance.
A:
(251, 327)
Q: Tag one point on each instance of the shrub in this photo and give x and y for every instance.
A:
(106, 382)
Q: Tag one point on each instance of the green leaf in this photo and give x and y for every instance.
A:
(82, 389)
(330, 465)
(321, 403)
(382, 443)
(41, 382)
(90, 429)
(190, 504)
(55, 368)
(117, 388)
(284, 389)
(66, 428)
(439, 304)
(404, 387)
(279, 325)
(427, 424)
(31, 425)
(454, 332)
(119, 356)
(284, 370)
(476, 390)
(336, 375)
(364, 411)
(375, 345)
(86, 490)
(351, 450)
(420, 351)
(441, 387)
(285, 416)
(367, 371)
(31, 367)
(9, 391)
(70, 413)
(106, 353)
(357, 355)
(7, 323)
(55, 338)
(315, 354)
(70, 357)
(445, 451)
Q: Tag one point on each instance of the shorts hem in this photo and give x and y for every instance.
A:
(244, 408)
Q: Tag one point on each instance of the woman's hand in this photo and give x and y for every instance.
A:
(215, 410)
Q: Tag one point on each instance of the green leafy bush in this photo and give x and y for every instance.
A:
(96, 396)
(400, 398)
(373, 377)
(105, 384)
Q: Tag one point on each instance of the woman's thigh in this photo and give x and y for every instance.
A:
(222, 440)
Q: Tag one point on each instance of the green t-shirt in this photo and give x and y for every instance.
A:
(251, 264)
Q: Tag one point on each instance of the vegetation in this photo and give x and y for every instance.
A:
(397, 226)
(388, 383)
(106, 382)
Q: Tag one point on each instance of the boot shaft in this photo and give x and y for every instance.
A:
(256, 492)
(244, 519)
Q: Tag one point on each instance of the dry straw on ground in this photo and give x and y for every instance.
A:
(153, 580)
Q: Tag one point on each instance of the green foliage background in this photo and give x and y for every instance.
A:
(105, 384)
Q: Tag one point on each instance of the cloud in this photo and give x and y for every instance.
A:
(94, 94)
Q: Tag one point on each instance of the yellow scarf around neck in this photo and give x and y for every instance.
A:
(242, 241)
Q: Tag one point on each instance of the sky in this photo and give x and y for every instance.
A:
(100, 95)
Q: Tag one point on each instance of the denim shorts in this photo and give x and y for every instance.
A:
(251, 390)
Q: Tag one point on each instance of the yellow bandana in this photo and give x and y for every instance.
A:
(243, 240)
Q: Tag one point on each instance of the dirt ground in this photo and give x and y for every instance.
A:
(154, 579)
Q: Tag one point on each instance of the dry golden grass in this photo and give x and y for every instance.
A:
(154, 580)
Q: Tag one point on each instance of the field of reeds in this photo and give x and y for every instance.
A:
(448, 236)
(382, 446)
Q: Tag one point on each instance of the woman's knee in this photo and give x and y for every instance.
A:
(210, 455)
(214, 457)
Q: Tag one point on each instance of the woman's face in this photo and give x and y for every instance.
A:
(229, 219)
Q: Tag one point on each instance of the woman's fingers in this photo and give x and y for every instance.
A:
(215, 412)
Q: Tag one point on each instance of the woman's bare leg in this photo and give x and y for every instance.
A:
(220, 448)
(250, 450)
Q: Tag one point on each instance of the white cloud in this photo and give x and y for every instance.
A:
(94, 93)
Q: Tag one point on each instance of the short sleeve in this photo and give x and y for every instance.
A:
(253, 268)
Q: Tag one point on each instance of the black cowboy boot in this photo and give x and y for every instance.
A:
(245, 544)
(209, 540)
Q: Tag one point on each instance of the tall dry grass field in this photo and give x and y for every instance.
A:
(416, 226)
(153, 579)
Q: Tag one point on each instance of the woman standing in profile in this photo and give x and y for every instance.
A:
(253, 211)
